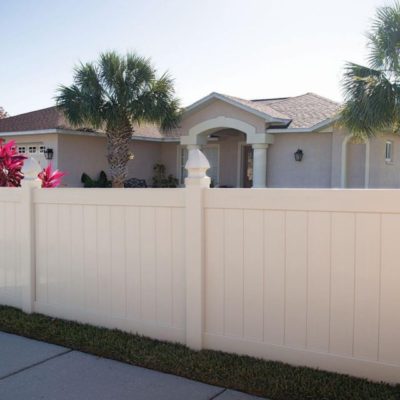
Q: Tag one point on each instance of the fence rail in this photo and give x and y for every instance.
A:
(306, 276)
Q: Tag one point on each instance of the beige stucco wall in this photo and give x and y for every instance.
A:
(338, 135)
(78, 154)
(355, 165)
(146, 155)
(313, 171)
(169, 157)
(383, 174)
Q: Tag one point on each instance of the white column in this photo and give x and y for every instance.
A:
(260, 165)
(30, 170)
(343, 172)
(196, 182)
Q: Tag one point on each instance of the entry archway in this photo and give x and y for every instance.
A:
(199, 133)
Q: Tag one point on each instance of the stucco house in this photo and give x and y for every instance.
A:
(281, 142)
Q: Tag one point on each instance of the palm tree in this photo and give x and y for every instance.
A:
(372, 93)
(113, 94)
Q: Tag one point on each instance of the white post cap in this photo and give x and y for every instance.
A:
(197, 165)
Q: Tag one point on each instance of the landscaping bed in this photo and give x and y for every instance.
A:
(274, 380)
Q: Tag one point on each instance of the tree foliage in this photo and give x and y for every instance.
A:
(372, 93)
(3, 113)
(113, 94)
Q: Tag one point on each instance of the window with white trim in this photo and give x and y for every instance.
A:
(211, 151)
(33, 149)
(389, 151)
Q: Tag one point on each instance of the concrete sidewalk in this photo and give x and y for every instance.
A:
(36, 370)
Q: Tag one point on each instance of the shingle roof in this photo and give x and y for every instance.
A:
(47, 118)
(52, 118)
(259, 106)
(304, 111)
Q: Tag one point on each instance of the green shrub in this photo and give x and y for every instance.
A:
(161, 180)
(100, 182)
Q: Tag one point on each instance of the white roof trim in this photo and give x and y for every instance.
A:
(218, 96)
(50, 131)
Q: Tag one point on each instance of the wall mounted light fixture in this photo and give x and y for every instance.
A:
(48, 154)
(298, 155)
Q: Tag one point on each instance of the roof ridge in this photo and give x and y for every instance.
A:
(250, 104)
(271, 98)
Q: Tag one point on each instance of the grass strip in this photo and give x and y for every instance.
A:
(274, 380)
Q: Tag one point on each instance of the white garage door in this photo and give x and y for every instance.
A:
(34, 150)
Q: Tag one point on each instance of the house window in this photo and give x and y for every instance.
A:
(389, 151)
(31, 148)
(211, 151)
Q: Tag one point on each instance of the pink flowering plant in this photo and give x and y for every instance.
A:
(11, 164)
(50, 178)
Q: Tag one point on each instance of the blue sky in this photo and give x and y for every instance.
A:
(246, 48)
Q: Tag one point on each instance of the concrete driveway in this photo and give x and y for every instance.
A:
(36, 370)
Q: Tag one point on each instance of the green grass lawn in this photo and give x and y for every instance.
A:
(275, 380)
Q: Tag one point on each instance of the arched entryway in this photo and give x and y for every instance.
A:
(205, 131)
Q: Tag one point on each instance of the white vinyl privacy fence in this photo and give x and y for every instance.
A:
(309, 277)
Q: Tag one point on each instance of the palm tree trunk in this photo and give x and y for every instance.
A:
(118, 154)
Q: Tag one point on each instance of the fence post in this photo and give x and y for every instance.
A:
(196, 182)
(30, 170)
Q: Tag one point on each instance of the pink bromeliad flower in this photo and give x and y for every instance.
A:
(11, 164)
(49, 178)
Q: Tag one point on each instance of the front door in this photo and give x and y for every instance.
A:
(247, 166)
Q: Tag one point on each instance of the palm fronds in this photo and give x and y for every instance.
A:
(114, 93)
(372, 94)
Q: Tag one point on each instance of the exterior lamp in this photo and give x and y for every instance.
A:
(298, 155)
(48, 154)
